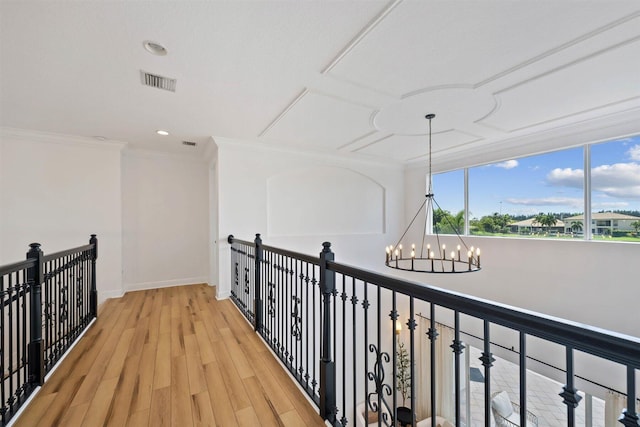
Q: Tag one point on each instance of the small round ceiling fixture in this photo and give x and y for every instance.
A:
(162, 132)
(154, 48)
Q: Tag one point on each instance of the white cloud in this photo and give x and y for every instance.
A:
(634, 153)
(618, 180)
(547, 201)
(508, 164)
(566, 177)
(621, 180)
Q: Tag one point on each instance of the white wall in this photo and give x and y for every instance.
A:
(57, 190)
(244, 173)
(165, 218)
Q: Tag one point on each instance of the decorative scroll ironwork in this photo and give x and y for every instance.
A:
(79, 283)
(236, 279)
(271, 300)
(63, 306)
(377, 376)
(296, 327)
(246, 280)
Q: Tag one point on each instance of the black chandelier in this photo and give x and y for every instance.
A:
(436, 259)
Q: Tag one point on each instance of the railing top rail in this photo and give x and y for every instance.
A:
(17, 266)
(303, 257)
(240, 241)
(610, 345)
(60, 254)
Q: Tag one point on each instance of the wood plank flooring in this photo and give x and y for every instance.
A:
(170, 357)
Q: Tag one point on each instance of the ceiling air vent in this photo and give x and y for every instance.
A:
(189, 143)
(157, 81)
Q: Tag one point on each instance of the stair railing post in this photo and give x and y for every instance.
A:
(94, 289)
(258, 281)
(327, 366)
(35, 277)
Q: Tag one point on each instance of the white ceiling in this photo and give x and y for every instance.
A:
(349, 77)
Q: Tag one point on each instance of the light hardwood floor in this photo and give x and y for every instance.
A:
(173, 356)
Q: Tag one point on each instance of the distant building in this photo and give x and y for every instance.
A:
(604, 222)
(530, 225)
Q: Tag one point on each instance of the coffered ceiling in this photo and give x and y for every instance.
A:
(345, 77)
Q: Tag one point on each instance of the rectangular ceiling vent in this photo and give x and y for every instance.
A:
(160, 82)
(189, 143)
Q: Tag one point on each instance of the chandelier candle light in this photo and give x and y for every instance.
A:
(430, 261)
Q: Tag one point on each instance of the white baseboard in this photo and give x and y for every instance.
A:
(222, 295)
(105, 295)
(164, 283)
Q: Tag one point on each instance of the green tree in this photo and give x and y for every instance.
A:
(546, 220)
(487, 224)
(576, 226)
(495, 223)
(446, 223)
(502, 222)
(636, 226)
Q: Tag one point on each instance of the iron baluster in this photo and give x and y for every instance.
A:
(487, 361)
(343, 296)
(458, 348)
(314, 338)
(570, 396)
(354, 306)
(306, 323)
(411, 325)
(433, 336)
(629, 416)
(523, 379)
(394, 345)
(379, 341)
(365, 329)
(3, 397)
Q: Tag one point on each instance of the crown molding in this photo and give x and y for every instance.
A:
(57, 138)
(155, 154)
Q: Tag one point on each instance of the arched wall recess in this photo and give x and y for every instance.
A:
(324, 201)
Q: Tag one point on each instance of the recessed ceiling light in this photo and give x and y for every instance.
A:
(162, 132)
(154, 48)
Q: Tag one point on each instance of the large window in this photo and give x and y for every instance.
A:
(615, 190)
(448, 209)
(543, 196)
(529, 197)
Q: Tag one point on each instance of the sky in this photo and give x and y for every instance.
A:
(551, 182)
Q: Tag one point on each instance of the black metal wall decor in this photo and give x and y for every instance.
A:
(436, 259)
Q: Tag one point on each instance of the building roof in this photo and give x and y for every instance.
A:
(603, 216)
(531, 222)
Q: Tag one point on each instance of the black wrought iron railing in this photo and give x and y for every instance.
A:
(361, 343)
(46, 302)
